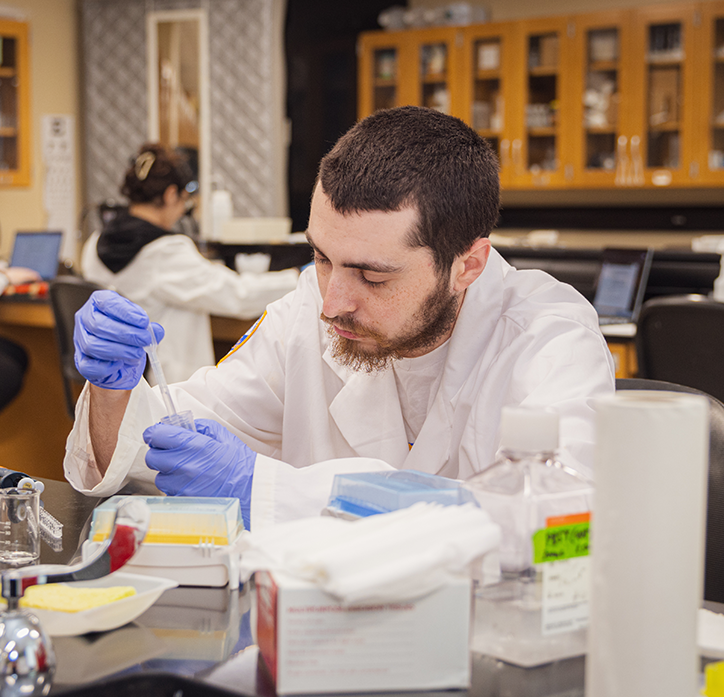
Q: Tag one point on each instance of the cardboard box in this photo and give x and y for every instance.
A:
(311, 643)
(549, 51)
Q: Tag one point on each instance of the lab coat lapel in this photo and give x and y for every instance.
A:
(367, 413)
(475, 325)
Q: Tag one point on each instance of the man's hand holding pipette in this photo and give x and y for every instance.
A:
(209, 462)
(110, 333)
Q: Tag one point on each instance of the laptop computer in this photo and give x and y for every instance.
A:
(621, 285)
(39, 251)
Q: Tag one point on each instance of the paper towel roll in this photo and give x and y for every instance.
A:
(647, 541)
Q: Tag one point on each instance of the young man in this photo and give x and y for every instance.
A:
(398, 349)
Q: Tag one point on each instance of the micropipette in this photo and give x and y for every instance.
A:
(185, 418)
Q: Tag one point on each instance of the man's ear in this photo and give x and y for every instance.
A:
(468, 266)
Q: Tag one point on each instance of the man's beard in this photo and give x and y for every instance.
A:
(431, 322)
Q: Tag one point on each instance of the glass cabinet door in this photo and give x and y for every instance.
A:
(14, 117)
(710, 128)
(384, 94)
(538, 156)
(664, 94)
(603, 146)
(663, 54)
(486, 87)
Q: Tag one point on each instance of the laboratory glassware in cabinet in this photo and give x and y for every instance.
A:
(14, 104)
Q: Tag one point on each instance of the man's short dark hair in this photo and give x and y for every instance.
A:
(413, 156)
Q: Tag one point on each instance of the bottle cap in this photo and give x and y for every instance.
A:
(528, 430)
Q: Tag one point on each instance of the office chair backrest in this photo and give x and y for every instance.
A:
(680, 339)
(67, 295)
(714, 557)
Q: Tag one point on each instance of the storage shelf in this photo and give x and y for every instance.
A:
(602, 66)
(542, 131)
(8, 132)
(8, 72)
(543, 71)
(487, 75)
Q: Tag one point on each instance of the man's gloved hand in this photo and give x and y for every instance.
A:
(110, 333)
(210, 462)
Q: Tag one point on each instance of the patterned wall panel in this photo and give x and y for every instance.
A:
(242, 139)
(114, 89)
(245, 125)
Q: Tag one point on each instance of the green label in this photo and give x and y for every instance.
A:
(561, 542)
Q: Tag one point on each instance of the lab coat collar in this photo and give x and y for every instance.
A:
(475, 325)
(367, 408)
(367, 412)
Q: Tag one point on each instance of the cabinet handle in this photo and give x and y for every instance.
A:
(622, 168)
(518, 155)
(637, 163)
(504, 153)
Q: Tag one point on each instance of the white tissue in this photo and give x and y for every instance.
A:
(384, 558)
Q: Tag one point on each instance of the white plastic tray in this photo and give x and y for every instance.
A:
(105, 617)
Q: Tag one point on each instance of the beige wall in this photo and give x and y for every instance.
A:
(502, 10)
(54, 90)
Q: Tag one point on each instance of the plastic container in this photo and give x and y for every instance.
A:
(191, 540)
(538, 612)
(368, 493)
(178, 520)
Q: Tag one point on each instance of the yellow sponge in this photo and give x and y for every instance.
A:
(62, 598)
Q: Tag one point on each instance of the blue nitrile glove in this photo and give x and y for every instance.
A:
(210, 462)
(110, 333)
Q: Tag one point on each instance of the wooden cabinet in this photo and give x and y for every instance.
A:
(629, 98)
(14, 104)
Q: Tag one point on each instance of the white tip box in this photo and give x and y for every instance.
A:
(311, 643)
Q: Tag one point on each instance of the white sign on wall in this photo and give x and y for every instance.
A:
(59, 187)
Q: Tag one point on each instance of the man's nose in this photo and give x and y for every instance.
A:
(338, 297)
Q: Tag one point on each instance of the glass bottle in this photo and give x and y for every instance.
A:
(538, 611)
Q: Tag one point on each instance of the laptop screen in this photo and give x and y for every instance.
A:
(622, 282)
(39, 251)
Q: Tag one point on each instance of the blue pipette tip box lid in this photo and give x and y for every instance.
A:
(368, 493)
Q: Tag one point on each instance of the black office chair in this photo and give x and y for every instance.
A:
(680, 339)
(714, 555)
(67, 295)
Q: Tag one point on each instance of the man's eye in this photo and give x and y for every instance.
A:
(373, 284)
(320, 259)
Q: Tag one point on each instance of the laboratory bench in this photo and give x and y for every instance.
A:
(200, 641)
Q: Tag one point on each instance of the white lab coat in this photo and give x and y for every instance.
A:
(522, 338)
(180, 289)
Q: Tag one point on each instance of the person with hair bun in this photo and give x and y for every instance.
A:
(140, 255)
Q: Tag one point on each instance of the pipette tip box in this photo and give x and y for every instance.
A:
(190, 539)
(367, 493)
